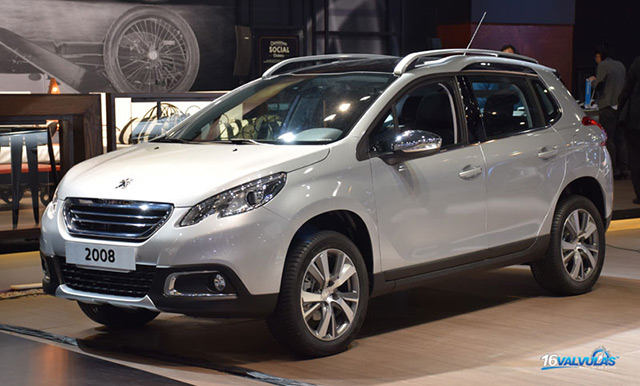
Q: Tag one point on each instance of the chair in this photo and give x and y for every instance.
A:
(16, 141)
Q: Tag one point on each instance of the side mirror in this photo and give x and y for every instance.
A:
(417, 141)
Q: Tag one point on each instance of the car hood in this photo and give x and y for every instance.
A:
(182, 174)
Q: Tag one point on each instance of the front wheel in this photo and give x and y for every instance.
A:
(323, 297)
(117, 317)
(575, 256)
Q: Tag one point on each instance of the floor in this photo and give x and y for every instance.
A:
(490, 328)
(623, 195)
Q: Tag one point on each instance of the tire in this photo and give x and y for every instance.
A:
(134, 63)
(335, 313)
(574, 260)
(116, 317)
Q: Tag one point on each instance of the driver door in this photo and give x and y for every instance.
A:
(431, 210)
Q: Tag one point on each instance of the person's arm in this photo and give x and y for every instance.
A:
(601, 76)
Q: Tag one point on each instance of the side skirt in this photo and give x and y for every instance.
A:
(397, 280)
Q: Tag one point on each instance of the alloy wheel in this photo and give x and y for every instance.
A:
(580, 245)
(330, 294)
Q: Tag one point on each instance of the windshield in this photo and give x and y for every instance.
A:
(290, 109)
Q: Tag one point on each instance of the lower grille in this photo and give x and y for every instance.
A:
(134, 284)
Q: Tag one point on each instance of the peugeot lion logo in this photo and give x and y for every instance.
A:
(124, 183)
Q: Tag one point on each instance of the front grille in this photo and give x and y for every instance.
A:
(114, 219)
(134, 284)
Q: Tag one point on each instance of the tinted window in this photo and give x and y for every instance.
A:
(550, 110)
(382, 135)
(506, 104)
(428, 108)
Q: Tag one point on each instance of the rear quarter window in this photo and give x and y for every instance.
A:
(550, 108)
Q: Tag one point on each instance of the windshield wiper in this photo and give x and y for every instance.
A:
(170, 140)
(240, 141)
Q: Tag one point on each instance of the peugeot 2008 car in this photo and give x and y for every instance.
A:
(333, 179)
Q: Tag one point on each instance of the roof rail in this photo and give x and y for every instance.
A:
(313, 59)
(409, 62)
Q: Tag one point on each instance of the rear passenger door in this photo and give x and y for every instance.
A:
(520, 147)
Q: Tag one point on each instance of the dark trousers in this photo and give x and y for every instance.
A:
(622, 149)
(608, 118)
(633, 142)
(616, 144)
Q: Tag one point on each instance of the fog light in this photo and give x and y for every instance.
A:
(219, 282)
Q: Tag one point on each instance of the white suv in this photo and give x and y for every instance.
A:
(333, 179)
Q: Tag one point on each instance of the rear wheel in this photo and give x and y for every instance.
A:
(324, 295)
(576, 250)
(117, 317)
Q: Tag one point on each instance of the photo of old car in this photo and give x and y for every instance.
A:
(117, 46)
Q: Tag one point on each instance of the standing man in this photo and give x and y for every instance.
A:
(607, 84)
(629, 103)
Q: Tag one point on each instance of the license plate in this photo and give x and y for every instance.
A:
(99, 256)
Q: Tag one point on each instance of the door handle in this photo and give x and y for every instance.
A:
(468, 172)
(546, 153)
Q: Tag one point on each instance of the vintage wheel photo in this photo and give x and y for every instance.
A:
(151, 50)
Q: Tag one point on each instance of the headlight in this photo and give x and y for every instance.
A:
(240, 199)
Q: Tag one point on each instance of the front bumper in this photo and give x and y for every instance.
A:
(253, 245)
(184, 289)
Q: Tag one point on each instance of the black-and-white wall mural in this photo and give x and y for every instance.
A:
(122, 46)
(163, 46)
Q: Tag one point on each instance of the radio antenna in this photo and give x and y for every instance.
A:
(476, 31)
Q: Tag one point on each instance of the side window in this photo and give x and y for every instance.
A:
(382, 135)
(428, 108)
(550, 109)
(506, 104)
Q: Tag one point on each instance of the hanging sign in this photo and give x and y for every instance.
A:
(274, 49)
